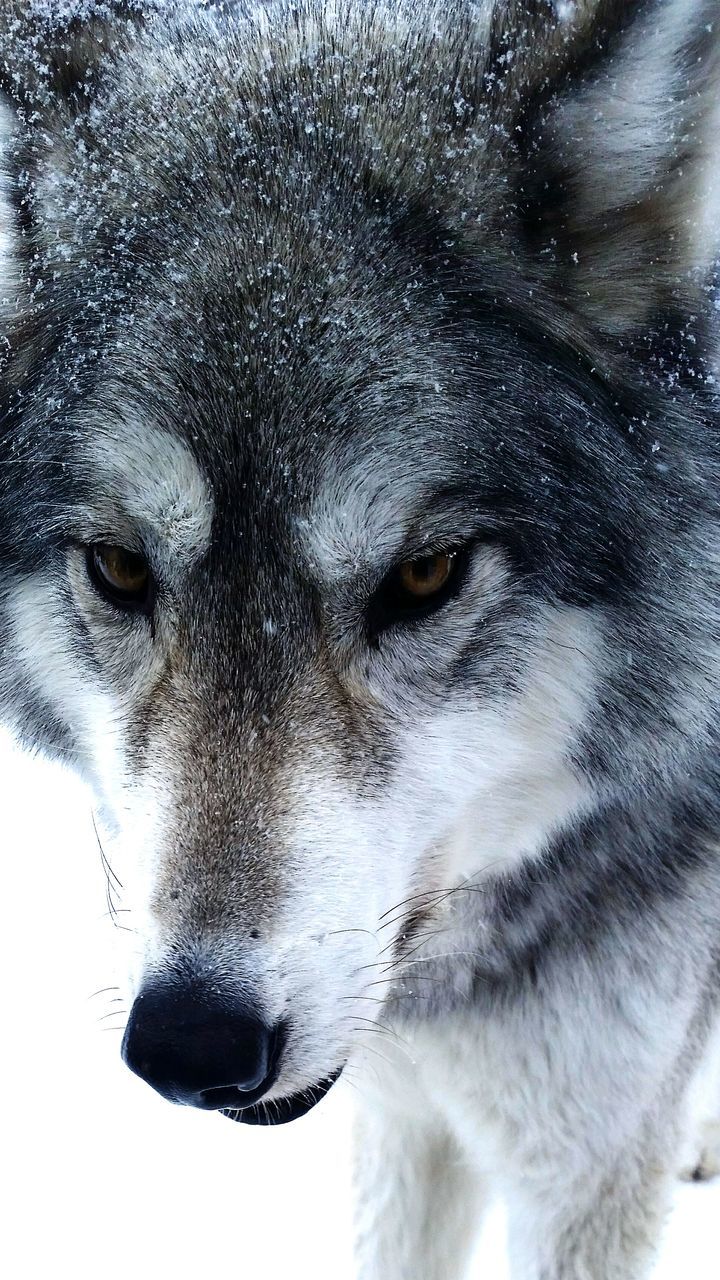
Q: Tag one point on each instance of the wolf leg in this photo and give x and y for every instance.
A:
(419, 1204)
(700, 1155)
(706, 1165)
(611, 1234)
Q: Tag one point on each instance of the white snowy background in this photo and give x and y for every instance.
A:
(102, 1178)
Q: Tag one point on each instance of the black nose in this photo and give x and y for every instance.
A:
(200, 1048)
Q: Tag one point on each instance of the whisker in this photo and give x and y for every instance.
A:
(367, 1048)
(105, 859)
(335, 932)
(417, 977)
(387, 1033)
(435, 897)
(110, 889)
(375, 999)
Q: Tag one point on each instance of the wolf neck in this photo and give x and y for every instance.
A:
(601, 873)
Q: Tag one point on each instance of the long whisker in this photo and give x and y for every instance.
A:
(105, 859)
(435, 897)
(110, 889)
(335, 932)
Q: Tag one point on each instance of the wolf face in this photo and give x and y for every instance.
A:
(354, 494)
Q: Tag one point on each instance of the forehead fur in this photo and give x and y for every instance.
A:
(252, 203)
(281, 178)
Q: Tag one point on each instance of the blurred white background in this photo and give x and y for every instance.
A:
(103, 1178)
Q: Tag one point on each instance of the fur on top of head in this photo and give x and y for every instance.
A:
(578, 138)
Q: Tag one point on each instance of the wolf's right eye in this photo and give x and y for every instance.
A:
(123, 577)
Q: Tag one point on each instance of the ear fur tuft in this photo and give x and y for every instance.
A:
(619, 193)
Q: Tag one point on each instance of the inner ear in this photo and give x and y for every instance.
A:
(616, 186)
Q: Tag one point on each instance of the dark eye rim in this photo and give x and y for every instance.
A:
(126, 602)
(391, 606)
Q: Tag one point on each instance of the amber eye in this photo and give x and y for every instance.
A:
(415, 589)
(422, 578)
(122, 576)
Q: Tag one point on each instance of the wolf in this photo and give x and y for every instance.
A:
(360, 546)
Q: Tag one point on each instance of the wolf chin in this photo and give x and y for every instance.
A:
(359, 479)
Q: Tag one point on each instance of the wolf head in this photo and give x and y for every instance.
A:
(357, 474)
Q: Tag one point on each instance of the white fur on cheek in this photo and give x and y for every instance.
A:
(43, 642)
(516, 758)
(44, 647)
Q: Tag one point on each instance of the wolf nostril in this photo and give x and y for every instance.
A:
(201, 1048)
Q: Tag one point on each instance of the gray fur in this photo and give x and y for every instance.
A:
(294, 293)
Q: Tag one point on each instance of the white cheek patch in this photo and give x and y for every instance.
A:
(511, 763)
(43, 640)
(155, 480)
(43, 643)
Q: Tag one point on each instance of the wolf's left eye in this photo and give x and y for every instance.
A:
(415, 589)
(122, 576)
(420, 579)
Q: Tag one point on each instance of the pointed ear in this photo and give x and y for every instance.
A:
(51, 53)
(619, 193)
(50, 50)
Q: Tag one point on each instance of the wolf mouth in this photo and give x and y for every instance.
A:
(283, 1110)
